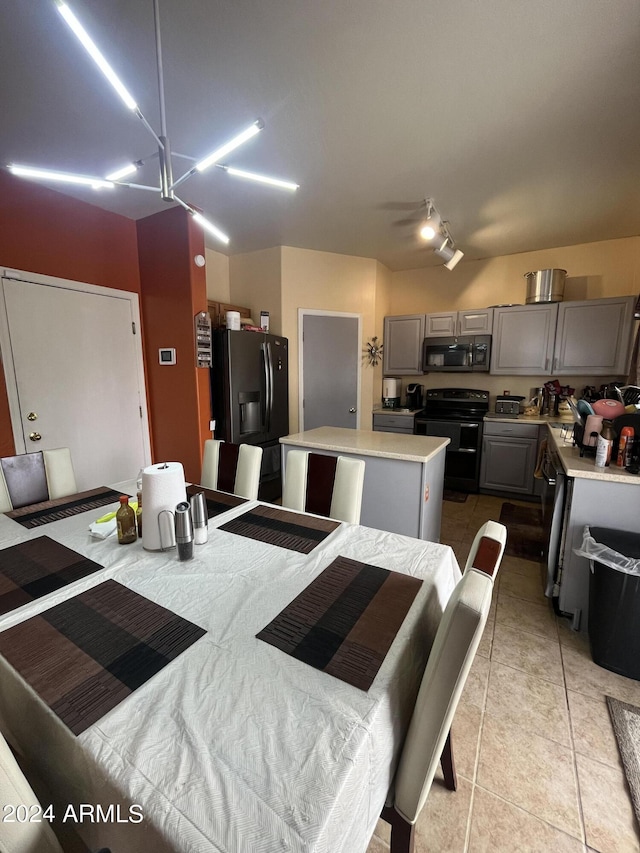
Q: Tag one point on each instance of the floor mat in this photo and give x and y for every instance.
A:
(455, 497)
(525, 536)
(626, 725)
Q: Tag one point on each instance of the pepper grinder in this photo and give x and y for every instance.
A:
(199, 518)
(184, 531)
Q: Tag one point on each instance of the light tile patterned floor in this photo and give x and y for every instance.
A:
(537, 761)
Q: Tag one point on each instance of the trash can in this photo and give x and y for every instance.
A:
(614, 599)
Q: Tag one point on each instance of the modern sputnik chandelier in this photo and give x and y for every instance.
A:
(435, 230)
(167, 184)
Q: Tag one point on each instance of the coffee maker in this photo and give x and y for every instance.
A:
(391, 392)
(414, 396)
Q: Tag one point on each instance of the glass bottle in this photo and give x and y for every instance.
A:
(605, 445)
(139, 515)
(126, 522)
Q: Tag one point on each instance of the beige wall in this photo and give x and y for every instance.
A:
(256, 283)
(217, 272)
(594, 270)
(323, 280)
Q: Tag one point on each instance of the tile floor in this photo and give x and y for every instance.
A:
(537, 761)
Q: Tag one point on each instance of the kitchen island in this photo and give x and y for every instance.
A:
(403, 477)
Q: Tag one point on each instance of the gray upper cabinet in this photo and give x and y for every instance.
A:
(593, 337)
(523, 338)
(452, 323)
(403, 337)
(590, 338)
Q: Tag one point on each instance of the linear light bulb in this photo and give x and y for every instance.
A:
(129, 169)
(210, 227)
(48, 175)
(219, 153)
(91, 48)
(262, 179)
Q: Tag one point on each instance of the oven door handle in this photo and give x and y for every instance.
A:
(467, 450)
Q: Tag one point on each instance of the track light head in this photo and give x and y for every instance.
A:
(431, 225)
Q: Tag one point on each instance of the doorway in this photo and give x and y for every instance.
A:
(73, 365)
(329, 347)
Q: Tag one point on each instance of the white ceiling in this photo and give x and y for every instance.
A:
(520, 117)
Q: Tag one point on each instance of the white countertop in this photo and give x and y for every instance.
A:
(412, 448)
(584, 467)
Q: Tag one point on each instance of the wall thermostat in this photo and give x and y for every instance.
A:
(167, 355)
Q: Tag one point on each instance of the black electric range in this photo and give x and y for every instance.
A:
(456, 414)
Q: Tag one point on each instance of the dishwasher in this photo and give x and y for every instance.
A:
(556, 500)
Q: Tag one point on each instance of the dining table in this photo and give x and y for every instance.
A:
(222, 729)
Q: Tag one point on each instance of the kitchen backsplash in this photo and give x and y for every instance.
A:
(495, 385)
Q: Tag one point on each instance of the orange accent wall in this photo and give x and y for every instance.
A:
(173, 292)
(46, 232)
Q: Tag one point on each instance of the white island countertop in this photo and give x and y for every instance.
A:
(412, 448)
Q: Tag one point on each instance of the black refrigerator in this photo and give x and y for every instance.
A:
(250, 397)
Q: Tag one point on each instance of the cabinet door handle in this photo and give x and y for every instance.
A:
(546, 364)
(555, 364)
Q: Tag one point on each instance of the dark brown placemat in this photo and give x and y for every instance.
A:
(35, 515)
(345, 621)
(35, 568)
(84, 656)
(277, 526)
(217, 502)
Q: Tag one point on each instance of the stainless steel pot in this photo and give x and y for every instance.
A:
(545, 286)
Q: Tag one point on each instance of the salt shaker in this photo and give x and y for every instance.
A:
(199, 518)
(184, 531)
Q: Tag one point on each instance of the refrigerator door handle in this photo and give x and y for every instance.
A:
(266, 364)
(269, 386)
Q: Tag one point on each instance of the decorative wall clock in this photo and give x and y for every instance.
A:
(373, 351)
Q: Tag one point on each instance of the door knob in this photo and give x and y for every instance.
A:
(352, 410)
(35, 436)
(32, 416)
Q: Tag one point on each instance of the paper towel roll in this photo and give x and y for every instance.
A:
(163, 487)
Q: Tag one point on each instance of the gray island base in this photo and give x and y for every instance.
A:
(403, 477)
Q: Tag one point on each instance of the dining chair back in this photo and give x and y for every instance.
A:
(325, 485)
(487, 549)
(30, 478)
(19, 835)
(485, 556)
(233, 468)
(448, 666)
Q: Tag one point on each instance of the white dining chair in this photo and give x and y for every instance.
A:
(30, 478)
(21, 836)
(324, 485)
(233, 468)
(448, 666)
(485, 556)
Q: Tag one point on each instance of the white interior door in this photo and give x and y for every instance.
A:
(73, 366)
(329, 370)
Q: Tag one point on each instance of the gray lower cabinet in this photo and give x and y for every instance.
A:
(509, 453)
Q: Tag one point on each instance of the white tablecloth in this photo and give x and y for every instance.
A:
(234, 746)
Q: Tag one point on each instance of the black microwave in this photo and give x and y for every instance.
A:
(464, 354)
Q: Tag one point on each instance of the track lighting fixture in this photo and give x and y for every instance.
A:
(434, 229)
(163, 153)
